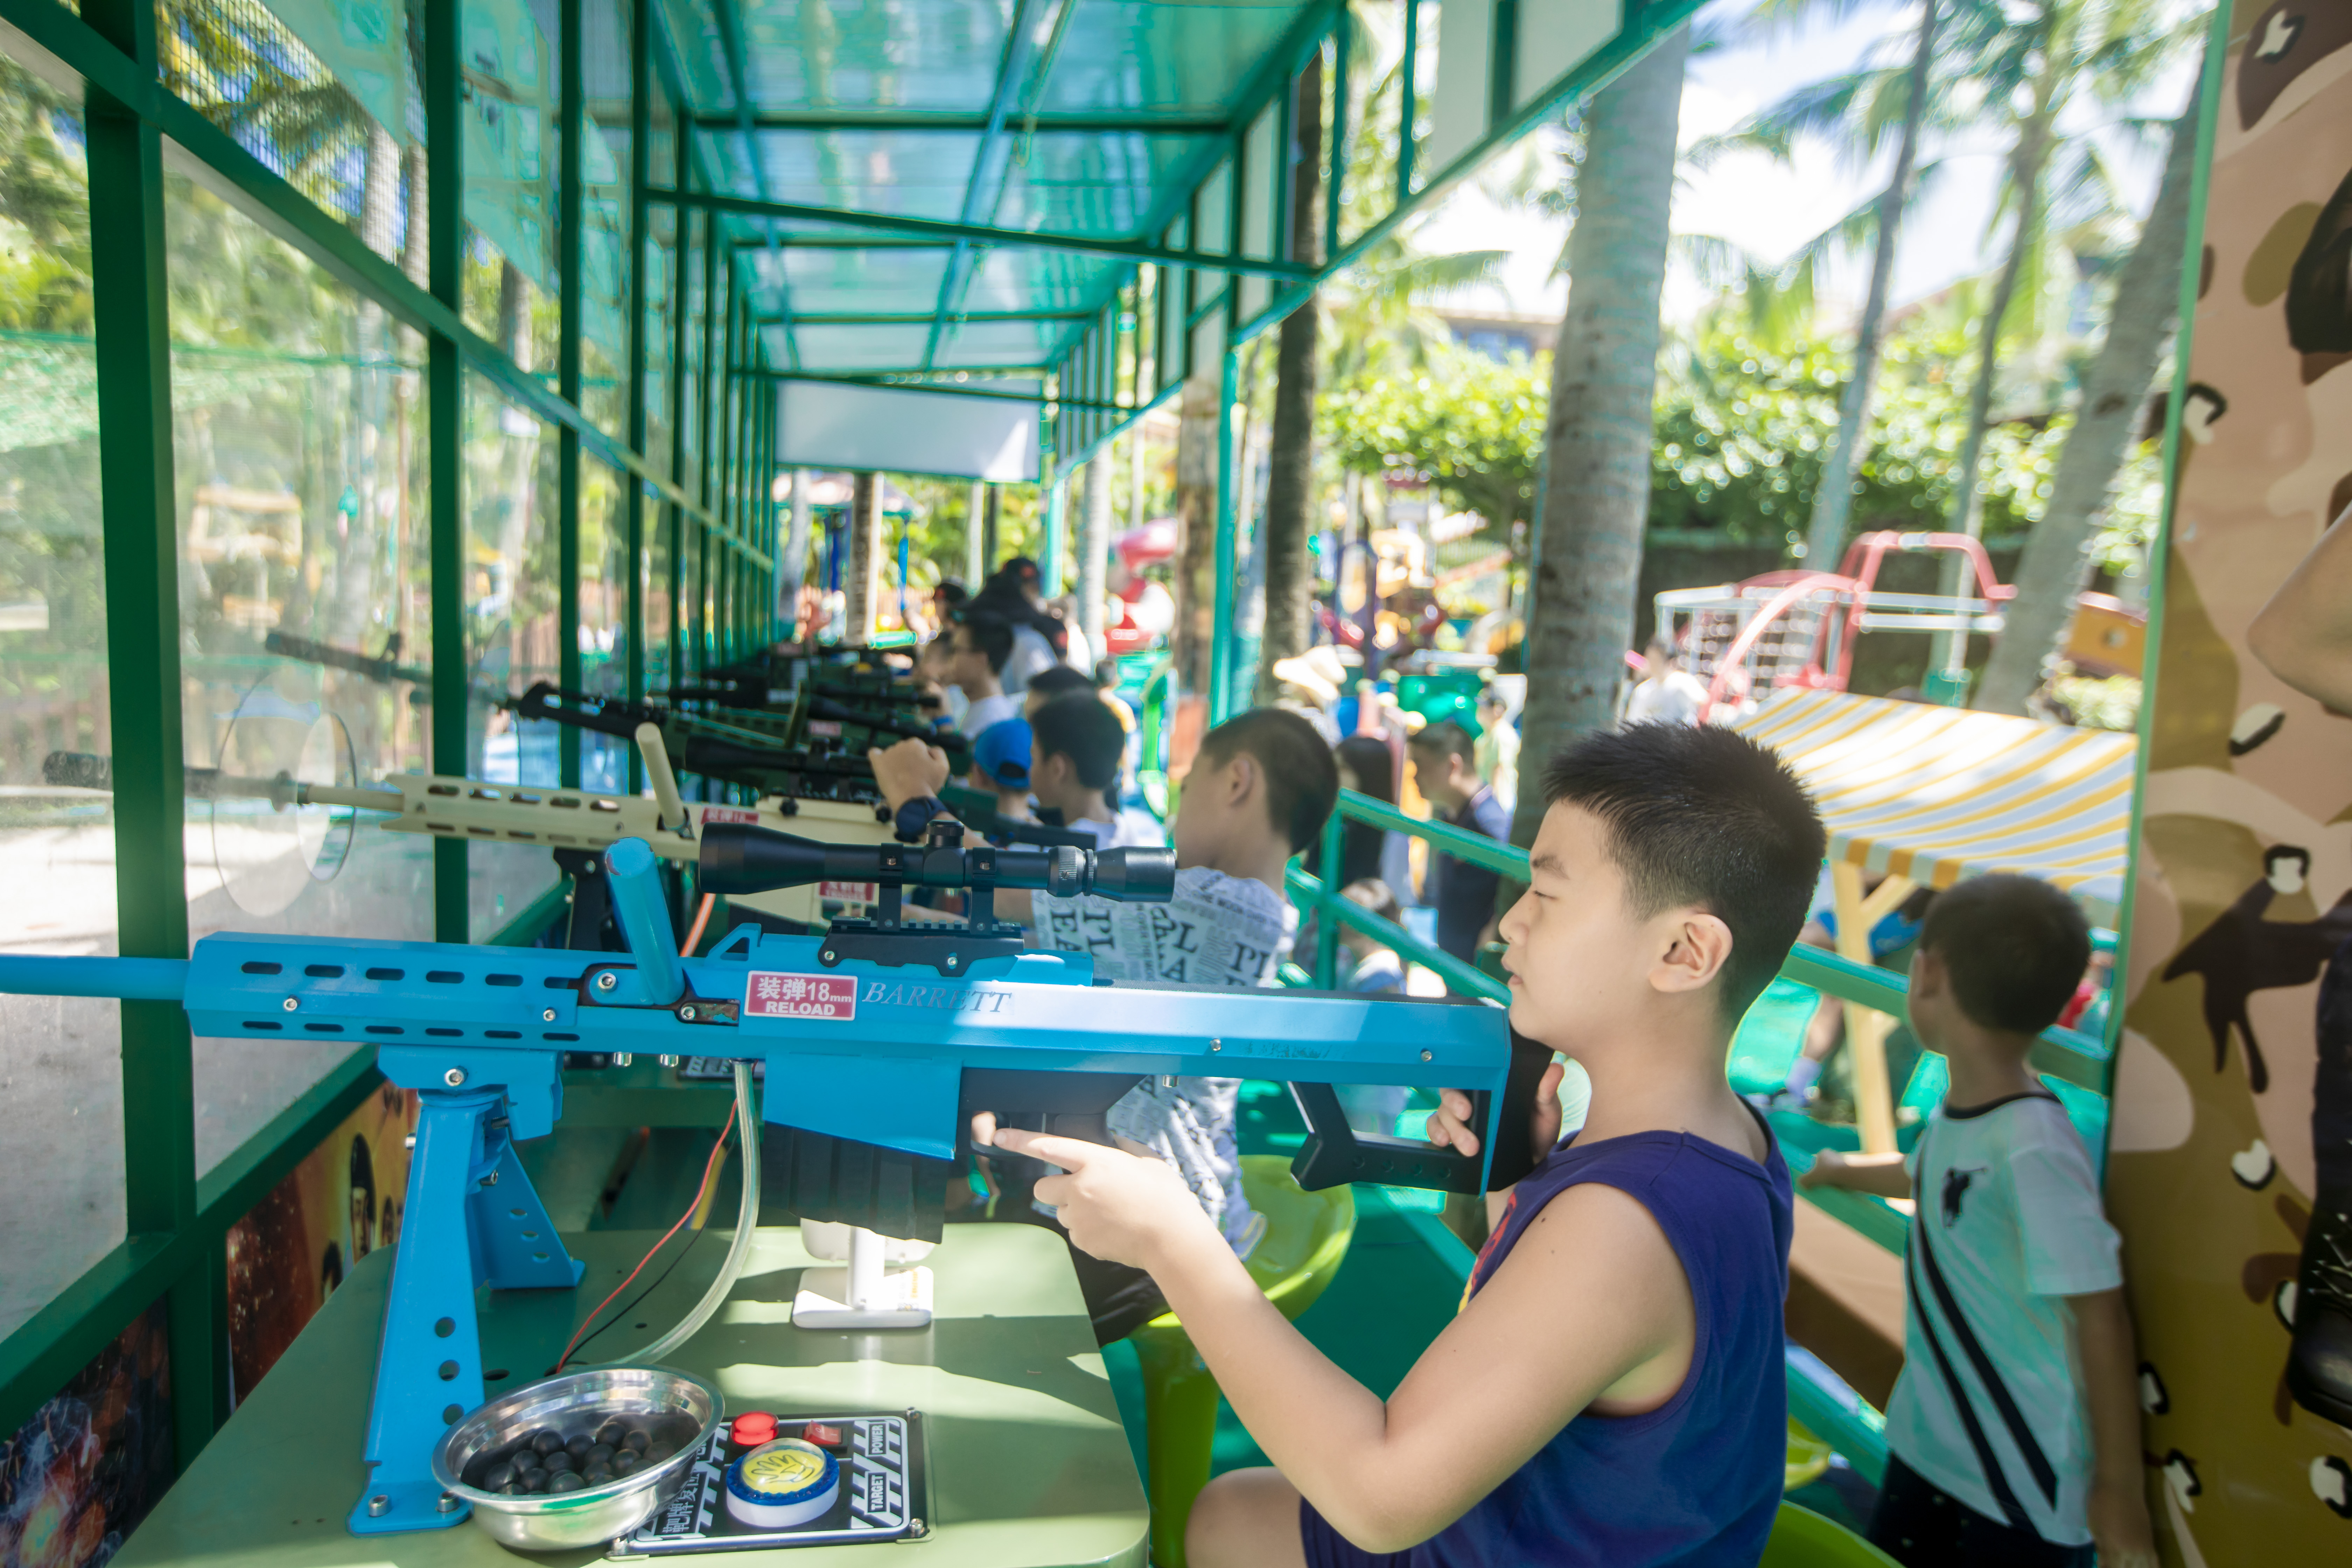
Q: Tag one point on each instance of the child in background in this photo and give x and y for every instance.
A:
(1076, 745)
(1666, 694)
(982, 642)
(1445, 771)
(2014, 1434)
(1258, 792)
(1613, 1390)
(1000, 765)
(1061, 681)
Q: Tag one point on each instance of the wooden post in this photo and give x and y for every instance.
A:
(1866, 1029)
(859, 585)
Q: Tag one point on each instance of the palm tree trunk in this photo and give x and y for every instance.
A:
(1833, 498)
(2146, 300)
(1596, 491)
(1201, 423)
(1967, 507)
(861, 582)
(1291, 459)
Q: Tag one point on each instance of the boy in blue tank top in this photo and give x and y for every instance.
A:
(1612, 1392)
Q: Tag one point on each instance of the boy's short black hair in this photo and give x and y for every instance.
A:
(1444, 739)
(1107, 672)
(1060, 680)
(1702, 815)
(2015, 947)
(992, 635)
(1081, 726)
(1302, 781)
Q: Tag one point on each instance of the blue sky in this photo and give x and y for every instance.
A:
(1770, 209)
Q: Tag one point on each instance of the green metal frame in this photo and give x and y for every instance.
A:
(707, 482)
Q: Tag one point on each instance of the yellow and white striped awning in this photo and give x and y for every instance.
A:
(1938, 794)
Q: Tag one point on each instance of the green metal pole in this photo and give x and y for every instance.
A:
(1327, 929)
(681, 263)
(570, 210)
(444, 424)
(133, 356)
(1056, 504)
(1221, 648)
(641, 88)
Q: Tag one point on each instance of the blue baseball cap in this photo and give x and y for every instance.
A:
(1002, 752)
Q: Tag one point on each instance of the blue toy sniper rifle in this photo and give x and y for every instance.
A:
(880, 1038)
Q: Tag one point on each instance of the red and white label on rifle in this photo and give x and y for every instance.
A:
(711, 814)
(825, 728)
(827, 997)
(847, 892)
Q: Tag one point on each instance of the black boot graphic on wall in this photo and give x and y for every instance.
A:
(2241, 952)
(2319, 1363)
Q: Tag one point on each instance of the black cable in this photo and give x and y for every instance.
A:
(691, 1239)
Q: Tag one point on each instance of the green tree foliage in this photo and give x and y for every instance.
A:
(1472, 425)
(1742, 431)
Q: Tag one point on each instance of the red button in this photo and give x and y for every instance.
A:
(823, 1435)
(753, 1426)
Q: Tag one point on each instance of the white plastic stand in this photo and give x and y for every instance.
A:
(864, 1295)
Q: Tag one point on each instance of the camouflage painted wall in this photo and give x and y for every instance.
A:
(2244, 896)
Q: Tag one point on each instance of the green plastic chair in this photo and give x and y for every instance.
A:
(1803, 1538)
(1306, 1237)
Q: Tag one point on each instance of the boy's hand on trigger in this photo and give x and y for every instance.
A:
(1449, 1124)
(907, 770)
(1117, 1206)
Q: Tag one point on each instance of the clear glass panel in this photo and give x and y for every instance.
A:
(513, 149)
(61, 1118)
(603, 615)
(604, 201)
(661, 309)
(299, 444)
(700, 229)
(508, 601)
(660, 592)
(323, 91)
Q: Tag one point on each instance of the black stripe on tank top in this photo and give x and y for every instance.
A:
(2044, 1477)
(2014, 1510)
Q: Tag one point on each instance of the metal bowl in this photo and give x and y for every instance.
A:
(576, 1401)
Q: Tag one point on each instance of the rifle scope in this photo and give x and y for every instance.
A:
(737, 858)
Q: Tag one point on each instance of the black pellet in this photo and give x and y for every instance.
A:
(596, 1474)
(579, 1445)
(546, 1440)
(638, 1440)
(624, 1461)
(515, 1488)
(611, 1433)
(534, 1481)
(566, 1482)
(559, 1463)
(500, 1475)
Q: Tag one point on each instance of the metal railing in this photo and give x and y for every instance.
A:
(1830, 1409)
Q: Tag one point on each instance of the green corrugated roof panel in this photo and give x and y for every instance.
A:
(947, 110)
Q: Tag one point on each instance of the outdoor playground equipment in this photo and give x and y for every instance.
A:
(1799, 628)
